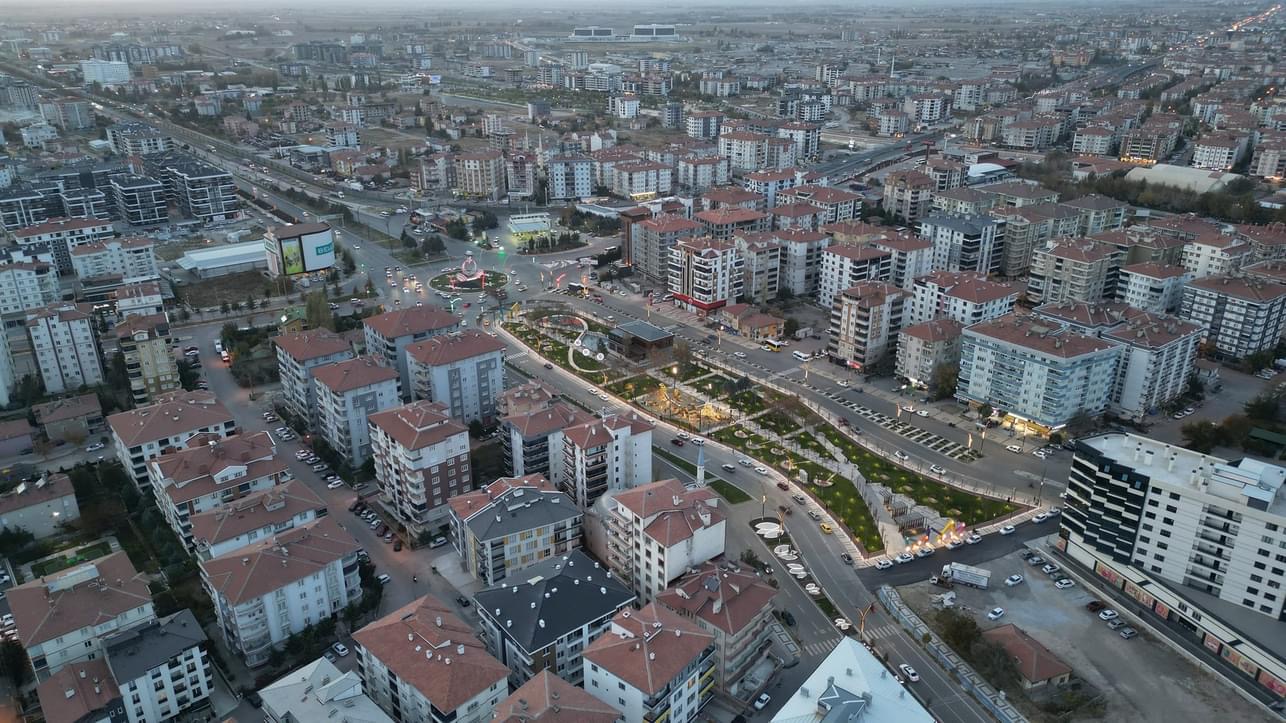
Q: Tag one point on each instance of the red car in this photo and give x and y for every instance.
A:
(783, 486)
(676, 442)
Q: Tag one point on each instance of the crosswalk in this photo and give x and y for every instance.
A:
(920, 436)
(820, 648)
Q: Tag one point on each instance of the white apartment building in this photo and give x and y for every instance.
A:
(657, 531)
(26, 285)
(696, 174)
(169, 424)
(161, 669)
(801, 256)
(298, 354)
(924, 347)
(964, 296)
(63, 618)
(843, 266)
(250, 518)
(131, 259)
(1219, 151)
(138, 299)
(653, 665)
(703, 124)
(421, 460)
(965, 243)
(1196, 538)
(546, 620)
(347, 393)
(1216, 255)
(761, 256)
(570, 178)
(480, 174)
(65, 346)
(1159, 355)
(512, 524)
(642, 179)
(705, 274)
(205, 477)
(137, 139)
(1035, 370)
(390, 333)
(745, 150)
(1073, 270)
(1094, 141)
(63, 235)
(1152, 287)
(768, 183)
(606, 455)
(910, 258)
(269, 591)
(1240, 315)
(865, 320)
(838, 204)
(464, 370)
(927, 107)
(422, 664)
(733, 606)
(908, 195)
(107, 73)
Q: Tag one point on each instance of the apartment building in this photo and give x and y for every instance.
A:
(271, 590)
(1240, 315)
(205, 477)
(1219, 151)
(768, 183)
(703, 125)
(654, 533)
(347, 393)
(1158, 356)
(199, 190)
(547, 697)
(1195, 538)
(925, 347)
(145, 343)
(908, 195)
(170, 423)
(130, 260)
(734, 606)
(68, 115)
(965, 243)
(1020, 193)
(1073, 270)
(637, 179)
(1097, 214)
(1269, 159)
(510, 525)
(865, 320)
(1034, 134)
(1027, 228)
(745, 150)
(464, 370)
(836, 203)
(801, 255)
(1036, 371)
(727, 221)
(570, 177)
(421, 460)
(62, 235)
(910, 258)
(139, 298)
(1152, 287)
(695, 174)
(653, 665)
(545, 621)
(298, 354)
(139, 200)
(797, 216)
(318, 691)
(26, 285)
(64, 617)
(964, 201)
(422, 664)
(244, 520)
(964, 296)
(651, 241)
(1094, 141)
(1216, 254)
(610, 454)
(389, 334)
(705, 274)
(761, 256)
(480, 174)
(532, 422)
(137, 139)
(65, 346)
(843, 266)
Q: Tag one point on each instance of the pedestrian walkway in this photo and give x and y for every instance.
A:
(821, 648)
(920, 436)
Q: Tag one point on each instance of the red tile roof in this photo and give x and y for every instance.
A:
(647, 649)
(171, 415)
(725, 600)
(454, 347)
(252, 572)
(418, 424)
(1035, 662)
(546, 698)
(415, 320)
(86, 595)
(304, 345)
(357, 373)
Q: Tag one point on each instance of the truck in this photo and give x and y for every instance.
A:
(958, 572)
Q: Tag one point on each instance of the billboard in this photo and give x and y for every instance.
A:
(318, 250)
(292, 257)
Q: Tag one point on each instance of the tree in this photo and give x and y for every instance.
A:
(1202, 436)
(317, 311)
(943, 384)
(475, 429)
(224, 308)
(13, 662)
(1264, 408)
(985, 411)
(792, 326)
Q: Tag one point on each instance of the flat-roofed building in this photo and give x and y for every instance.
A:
(512, 524)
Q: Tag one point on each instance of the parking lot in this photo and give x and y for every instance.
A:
(1141, 679)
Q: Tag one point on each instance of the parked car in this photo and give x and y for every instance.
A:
(340, 649)
(383, 579)
(903, 558)
(1007, 530)
(762, 701)
(335, 484)
(883, 564)
(1115, 623)
(1108, 614)
(1095, 605)
(1127, 633)
(1013, 580)
(996, 614)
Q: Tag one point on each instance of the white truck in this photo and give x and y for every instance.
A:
(960, 573)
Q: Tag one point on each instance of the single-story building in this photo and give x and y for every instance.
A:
(751, 323)
(1037, 666)
(15, 438)
(638, 340)
(225, 259)
(73, 419)
(40, 507)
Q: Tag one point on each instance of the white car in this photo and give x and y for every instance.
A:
(909, 672)
(745, 462)
(1039, 518)
(762, 701)
(899, 454)
(698, 441)
(761, 470)
(996, 614)
(1013, 580)
(908, 408)
(302, 454)
(922, 413)
(1007, 530)
(936, 469)
(605, 397)
(1014, 448)
(973, 539)
(739, 354)
(904, 558)
(335, 485)
(94, 447)
(1108, 614)
(883, 564)
(1065, 583)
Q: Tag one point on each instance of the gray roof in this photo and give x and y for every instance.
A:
(510, 513)
(563, 593)
(642, 330)
(131, 654)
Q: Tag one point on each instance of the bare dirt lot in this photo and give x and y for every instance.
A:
(1142, 679)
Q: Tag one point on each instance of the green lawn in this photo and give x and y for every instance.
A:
(730, 492)
(748, 401)
(714, 385)
(778, 422)
(632, 387)
(84, 554)
(556, 352)
(809, 442)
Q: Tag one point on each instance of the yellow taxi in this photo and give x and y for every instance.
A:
(826, 529)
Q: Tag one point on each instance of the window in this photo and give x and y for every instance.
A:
(1256, 578)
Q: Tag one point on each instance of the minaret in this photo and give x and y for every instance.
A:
(892, 62)
(701, 466)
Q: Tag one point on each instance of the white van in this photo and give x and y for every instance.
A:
(800, 356)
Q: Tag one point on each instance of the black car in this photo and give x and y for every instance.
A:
(547, 365)
(846, 558)
(462, 601)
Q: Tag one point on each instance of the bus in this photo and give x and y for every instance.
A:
(772, 345)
